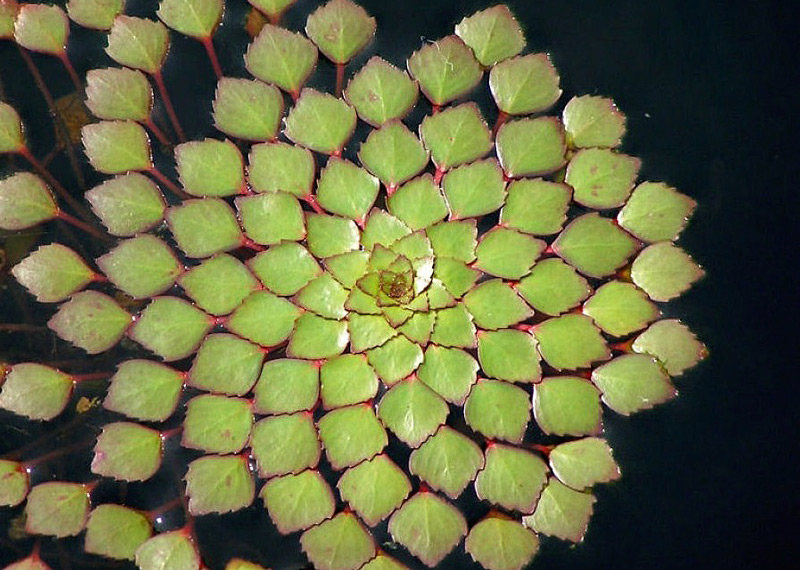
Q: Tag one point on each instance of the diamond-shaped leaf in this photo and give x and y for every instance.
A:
(341, 29)
(116, 532)
(331, 235)
(316, 337)
(297, 502)
(217, 484)
(509, 355)
(507, 253)
(633, 382)
(501, 544)
(656, 212)
(396, 359)
(285, 268)
(346, 380)
(52, 273)
(384, 229)
(8, 13)
(513, 478)
(247, 109)
(673, 344)
(281, 57)
(127, 451)
(493, 34)
(271, 217)
(553, 287)
(525, 84)
(90, 320)
(383, 562)
(35, 391)
(664, 271)
(127, 204)
(457, 240)
(204, 227)
(495, 305)
(226, 364)
(570, 342)
(381, 92)
(116, 147)
(14, 478)
(567, 405)
(347, 190)
(368, 331)
(456, 135)
(42, 28)
(347, 268)
(531, 147)
(393, 154)
(272, 8)
(144, 390)
(418, 203)
(285, 444)
(374, 488)
(264, 318)
(142, 266)
(217, 424)
(562, 512)
(56, 509)
(119, 94)
(450, 372)
(138, 43)
(219, 284)
(447, 461)
(584, 462)
(594, 245)
(324, 296)
(536, 206)
(446, 69)
(454, 327)
(195, 18)
(354, 545)
(286, 386)
(498, 410)
(412, 411)
(474, 189)
(281, 166)
(25, 200)
(350, 435)
(601, 177)
(593, 121)
(620, 308)
(171, 327)
(320, 122)
(175, 548)
(210, 167)
(456, 276)
(11, 139)
(95, 14)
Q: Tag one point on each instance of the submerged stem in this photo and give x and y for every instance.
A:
(339, 79)
(73, 75)
(208, 43)
(159, 134)
(173, 118)
(62, 215)
(171, 186)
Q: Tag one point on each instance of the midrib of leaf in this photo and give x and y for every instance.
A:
(141, 45)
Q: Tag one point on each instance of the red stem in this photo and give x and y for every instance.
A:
(159, 134)
(208, 43)
(76, 81)
(171, 186)
(311, 200)
(21, 327)
(57, 453)
(339, 79)
(502, 117)
(62, 215)
(91, 376)
(173, 118)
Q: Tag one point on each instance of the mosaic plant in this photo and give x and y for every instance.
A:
(347, 334)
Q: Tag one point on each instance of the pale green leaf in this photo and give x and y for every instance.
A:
(428, 526)
(493, 34)
(141, 267)
(525, 84)
(138, 43)
(567, 405)
(116, 532)
(127, 204)
(446, 69)
(56, 509)
(52, 273)
(247, 109)
(380, 92)
(127, 451)
(217, 424)
(90, 320)
(171, 327)
(281, 57)
(116, 147)
(341, 29)
(217, 484)
(35, 391)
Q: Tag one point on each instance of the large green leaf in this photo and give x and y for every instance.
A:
(531, 147)
(509, 355)
(583, 463)
(11, 139)
(350, 435)
(501, 544)
(56, 509)
(562, 512)
(138, 43)
(447, 461)
(297, 502)
(498, 410)
(593, 121)
(331, 235)
(493, 34)
(35, 391)
(281, 57)
(195, 18)
(144, 390)
(553, 287)
(381, 92)
(454, 327)
(673, 344)
(536, 206)
(90, 320)
(620, 308)
(52, 273)
(340, 543)
(664, 271)
(141, 267)
(116, 147)
(42, 28)
(446, 69)
(219, 284)
(656, 212)
(495, 305)
(116, 532)
(570, 342)
(281, 166)
(14, 478)
(418, 203)
(217, 484)
(264, 318)
(285, 268)
(567, 405)
(316, 337)
(210, 167)
(127, 451)
(247, 109)
(173, 549)
(412, 411)
(204, 227)
(601, 177)
(374, 488)
(594, 245)
(633, 382)
(320, 122)
(271, 217)
(226, 364)
(393, 154)
(347, 379)
(396, 359)
(341, 29)
(217, 424)
(25, 200)
(272, 8)
(95, 14)
(450, 372)
(119, 94)
(513, 478)
(127, 204)
(474, 189)
(171, 328)
(285, 444)
(347, 190)
(456, 135)
(368, 331)
(286, 386)
(507, 253)
(324, 296)
(525, 84)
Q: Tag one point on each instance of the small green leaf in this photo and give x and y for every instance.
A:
(673, 344)
(664, 271)
(210, 167)
(52, 273)
(562, 512)
(412, 411)
(247, 109)
(418, 328)
(331, 235)
(324, 296)
(171, 328)
(341, 29)
(144, 390)
(446, 69)
(35, 391)
(418, 203)
(340, 543)
(264, 318)
(42, 28)
(56, 509)
(428, 526)
(14, 479)
(272, 8)
(226, 364)
(456, 135)
(447, 461)
(474, 189)
(285, 444)
(219, 284)
(498, 410)
(501, 544)
(127, 204)
(507, 253)
(116, 532)
(350, 435)
(285, 268)
(393, 154)
(620, 308)
(525, 84)
(570, 342)
(593, 121)
(240, 564)
(320, 122)
(11, 139)
(346, 380)
(450, 372)
(368, 331)
(316, 337)
(584, 462)
(116, 147)
(536, 206)
(382, 228)
(91, 321)
(513, 478)
(297, 502)
(138, 43)
(454, 327)
(656, 212)
(381, 562)
(127, 451)
(457, 240)
(509, 355)
(374, 488)
(495, 305)
(633, 382)
(141, 267)
(345, 189)
(281, 166)
(98, 15)
(456, 276)
(281, 57)
(217, 424)
(347, 268)
(270, 218)
(493, 34)
(553, 287)
(531, 147)
(567, 405)
(205, 226)
(594, 245)
(195, 18)
(219, 485)
(286, 386)
(380, 92)
(119, 94)
(601, 177)
(173, 549)
(25, 200)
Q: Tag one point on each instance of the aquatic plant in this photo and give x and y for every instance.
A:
(363, 313)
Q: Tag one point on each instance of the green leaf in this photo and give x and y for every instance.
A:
(382, 228)
(56, 509)
(450, 372)
(454, 327)
(240, 564)
(168, 550)
(393, 154)
(673, 344)
(593, 121)
(567, 405)
(91, 321)
(8, 13)
(25, 200)
(570, 342)
(374, 488)
(35, 391)
(368, 331)
(195, 18)
(210, 167)
(445, 69)
(561, 512)
(116, 147)
(498, 410)
(127, 451)
(447, 461)
(633, 382)
(474, 189)
(119, 94)
(507, 253)
(582, 463)
(247, 109)
(340, 543)
(42, 28)
(219, 284)
(270, 218)
(297, 502)
(418, 203)
(171, 328)
(11, 139)
(656, 212)
(286, 386)
(350, 435)
(346, 380)
(412, 411)
(664, 271)
(141, 267)
(396, 359)
(457, 240)
(219, 485)
(501, 544)
(345, 189)
(285, 268)
(127, 204)
(144, 390)
(331, 235)
(531, 147)
(98, 15)
(15, 484)
(320, 122)
(418, 328)
(456, 135)
(264, 318)
(380, 92)
(347, 268)
(509, 355)
(620, 308)
(324, 296)
(493, 34)
(495, 305)
(285, 444)
(383, 562)
(601, 177)
(138, 43)
(217, 424)
(272, 8)
(536, 207)
(52, 273)
(315, 337)
(553, 287)
(205, 226)
(281, 166)
(281, 57)
(116, 532)
(456, 276)
(594, 245)
(340, 29)
(226, 364)
(428, 526)
(525, 84)
(513, 478)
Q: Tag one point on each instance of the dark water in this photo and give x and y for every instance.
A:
(710, 95)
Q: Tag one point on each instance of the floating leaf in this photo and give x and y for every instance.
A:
(204, 227)
(281, 166)
(498, 410)
(116, 147)
(673, 344)
(285, 444)
(525, 84)
(380, 92)
(368, 331)
(218, 285)
(56, 509)
(331, 235)
(633, 382)
(536, 206)
(119, 94)
(412, 411)
(374, 488)
(272, 8)
(501, 544)
(347, 268)
(418, 203)
(507, 253)
(35, 391)
(445, 69)
(286, 386)
(656, 212)
(450, 372)
(455, 276)
(553, 287)
(297, 502)
(271, 218)
(664, 271)
(14, 480)
(320, 122)
(217, 424)
(495, 305)
(454, 327)
(116, 532)
(593, 121)
(447, 461)
(286, 268)
(562, 512)
(247, 109)
(174, 548)
(25, 200)
(210, 167)
(316, 337)
(584, 462)
(264, 318)
(346, 380)
(567, 405)
(457, 240)
(219, 485)
(226, 364)
(456, 135)
(90, 320)
(8, 13)
(531, 147)
(171, 328)
(324, 296)
(383, 562)
(11, 139)
(513, 478)
(281, 57)
(127, 451)
(350, 435)
(509, 355)
(42, 28)
(142, 266)
(340, 543)
(98, 15)
(52, 273)
(474, 189)
(493, 34)
(195, 18)
(138, 43)
(382, 228)
(601, 177)
(594, 245)
(144, 390)
(340, 29)
(345, 189)
(570, 342)
(393, 154)
(620, 308)
(127, 204)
